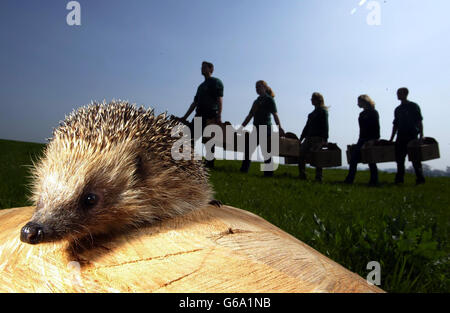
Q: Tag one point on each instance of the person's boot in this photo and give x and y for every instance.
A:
(245, 166)
(348, 180)
(318, 175)
(420, 177)
(302, 171)
(398, 180)
(374, 178)
(268, 174)
(209, 164)
(420, 181)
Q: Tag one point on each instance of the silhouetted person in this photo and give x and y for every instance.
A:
(262, 109)
(208, 105)
(407, 125)
(315, 133)
(369, 129)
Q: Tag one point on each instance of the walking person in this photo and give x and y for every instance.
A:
(369, 129)
(262, 109)
(407, 126)
(208, 105)
(314, 134)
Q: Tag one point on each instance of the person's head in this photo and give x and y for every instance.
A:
(402, 94)
(207, 68)
(317, 100)
(365, 102)
(262, 88)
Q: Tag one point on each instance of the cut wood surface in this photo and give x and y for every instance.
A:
(208, 250)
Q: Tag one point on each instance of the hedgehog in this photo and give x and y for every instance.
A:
(109, 167)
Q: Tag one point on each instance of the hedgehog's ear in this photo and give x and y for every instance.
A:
(139, 164)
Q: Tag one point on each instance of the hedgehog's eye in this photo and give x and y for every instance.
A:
(90, 200)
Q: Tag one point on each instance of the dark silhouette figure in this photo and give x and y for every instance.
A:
(262, 109)
(315, 134)
(407, 125)
(208, 105)
(369, 129)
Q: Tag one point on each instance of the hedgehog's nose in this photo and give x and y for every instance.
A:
(32, 233)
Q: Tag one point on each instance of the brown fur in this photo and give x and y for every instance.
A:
(122, 154)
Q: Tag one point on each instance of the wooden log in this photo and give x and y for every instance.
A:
(209, 250)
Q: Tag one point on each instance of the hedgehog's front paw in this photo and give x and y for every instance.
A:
(215, 202)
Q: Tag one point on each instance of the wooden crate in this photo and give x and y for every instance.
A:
(349, 153)
(289, 147)
(222, 141)
(423, 149)
(378, 151)
(290, 160)
(329, 155)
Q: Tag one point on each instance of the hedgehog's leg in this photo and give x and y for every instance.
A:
(215, 202)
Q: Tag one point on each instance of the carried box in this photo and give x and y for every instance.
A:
(423, 149)
(378, 151)
(328, 155)
(349, 153)
(289, 146)
(222, 142)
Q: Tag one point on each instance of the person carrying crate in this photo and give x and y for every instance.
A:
(369, 129)
(314, 134)
(407, 126)
(208, 105)
(262, 109)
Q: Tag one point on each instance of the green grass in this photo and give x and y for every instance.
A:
(15, 160)
(404, 228)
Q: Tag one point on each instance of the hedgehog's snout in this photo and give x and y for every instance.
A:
(32, 233)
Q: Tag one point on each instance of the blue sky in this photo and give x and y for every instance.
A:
(150, 52)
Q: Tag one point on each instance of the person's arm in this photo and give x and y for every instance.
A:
(377, 125)
(419, 113)
(277, 121)
(219, 117)
(305, 130)
(249, 117)
(189, 111)
(395, 127)
(326, 130)
(394, 131)
(421, 129)
(219, 95)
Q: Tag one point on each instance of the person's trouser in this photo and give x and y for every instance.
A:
(355, 158)
(205, 122)
(306, 147)
(401, 151)
(250, 149)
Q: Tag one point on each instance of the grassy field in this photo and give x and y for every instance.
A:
(404, 228)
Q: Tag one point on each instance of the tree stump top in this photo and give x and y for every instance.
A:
(208, 250)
